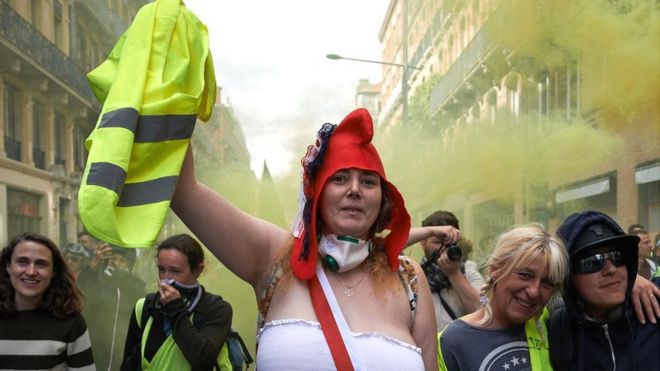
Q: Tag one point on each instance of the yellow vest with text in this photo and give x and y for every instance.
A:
(157, 80)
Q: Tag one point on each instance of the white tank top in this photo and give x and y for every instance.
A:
(296, 344)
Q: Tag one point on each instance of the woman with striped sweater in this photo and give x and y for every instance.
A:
(40, 322)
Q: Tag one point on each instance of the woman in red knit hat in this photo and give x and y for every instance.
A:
(334, 293)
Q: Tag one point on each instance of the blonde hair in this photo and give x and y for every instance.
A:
(519, 247)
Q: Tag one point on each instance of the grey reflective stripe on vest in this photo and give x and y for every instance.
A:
(164, 127)
(149, 192)
(150, 128)
(120, 118)
(107, 175)
(112, 177)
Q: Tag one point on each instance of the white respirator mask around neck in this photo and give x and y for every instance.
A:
(343, 253)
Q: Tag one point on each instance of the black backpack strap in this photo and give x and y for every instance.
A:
(561, 338)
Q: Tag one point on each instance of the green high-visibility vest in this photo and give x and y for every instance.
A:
(169, 356)
(157, 80)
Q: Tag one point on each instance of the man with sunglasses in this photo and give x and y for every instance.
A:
(596, 329)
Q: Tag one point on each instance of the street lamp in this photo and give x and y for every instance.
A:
(336, 56)
(404, 80)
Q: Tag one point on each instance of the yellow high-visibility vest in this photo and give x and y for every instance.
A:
(157, 80)
(169, 356)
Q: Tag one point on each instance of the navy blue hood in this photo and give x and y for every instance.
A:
(586, 231)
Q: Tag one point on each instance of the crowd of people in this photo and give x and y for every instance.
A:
(338, 291)
(82, 307)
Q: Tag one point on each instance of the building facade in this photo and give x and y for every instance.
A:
(48, 109)
(523, 68)
(368, 96)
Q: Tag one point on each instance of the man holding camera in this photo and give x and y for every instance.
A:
(455, 287)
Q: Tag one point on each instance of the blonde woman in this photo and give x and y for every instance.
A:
(508, 331)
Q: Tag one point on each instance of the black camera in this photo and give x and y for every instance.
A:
(454, 253)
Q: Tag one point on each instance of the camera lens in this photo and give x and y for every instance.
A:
(454, 253)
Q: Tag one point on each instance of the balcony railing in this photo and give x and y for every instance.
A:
(13, 148)
(425, 44)
(24, 37)
(470, 58)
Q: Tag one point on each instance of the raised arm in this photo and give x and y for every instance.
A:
(449, 234)
(245, 244)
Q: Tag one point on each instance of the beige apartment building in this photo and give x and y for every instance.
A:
(481, 64)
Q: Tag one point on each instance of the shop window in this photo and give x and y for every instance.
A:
(23, 213)
(598, 193)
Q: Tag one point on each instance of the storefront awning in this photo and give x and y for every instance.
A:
(647, 174)
(584, 190)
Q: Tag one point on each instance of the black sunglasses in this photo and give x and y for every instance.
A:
(596, 262)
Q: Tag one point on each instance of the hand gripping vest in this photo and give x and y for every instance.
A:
(156, 81)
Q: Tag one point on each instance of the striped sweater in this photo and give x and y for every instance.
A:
(37, 340)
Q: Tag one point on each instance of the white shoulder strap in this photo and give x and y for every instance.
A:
(344, 330)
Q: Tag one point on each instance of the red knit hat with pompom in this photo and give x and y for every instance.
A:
(349, 146)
